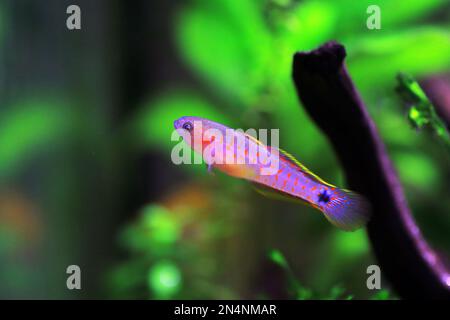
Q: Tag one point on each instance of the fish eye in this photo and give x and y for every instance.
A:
(188, 126)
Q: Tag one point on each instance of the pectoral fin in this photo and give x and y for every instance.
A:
(210, 168)
(240, 171)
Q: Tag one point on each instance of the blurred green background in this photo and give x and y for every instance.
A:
(85, 122)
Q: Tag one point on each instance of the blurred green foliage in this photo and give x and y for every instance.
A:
(164, 279)
(28, 127)
(170, 255)
(157, 232)
(337, 292)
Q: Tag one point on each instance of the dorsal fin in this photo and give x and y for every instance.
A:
(254, 139)
(290, 158)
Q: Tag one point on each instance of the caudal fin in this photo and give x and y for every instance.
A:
(347, 210)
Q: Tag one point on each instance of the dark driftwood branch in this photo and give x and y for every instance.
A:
(329, 96)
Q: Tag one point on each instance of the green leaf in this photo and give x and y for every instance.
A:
(399, 12)
(381, 295)
(294, 27)
(352, 15)
(227, 43)
(304, 293)
(349, 244)
(422, 52)
(156, 231)
(421, 113)
(336, 292)
(277, 257)
(417, 169)
(164, 279)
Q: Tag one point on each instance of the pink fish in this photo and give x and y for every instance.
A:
(274, 172)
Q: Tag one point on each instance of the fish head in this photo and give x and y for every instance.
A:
(198, 132)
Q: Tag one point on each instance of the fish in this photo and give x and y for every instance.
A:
(273, 172)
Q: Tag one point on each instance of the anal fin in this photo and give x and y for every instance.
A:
(275, 194)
